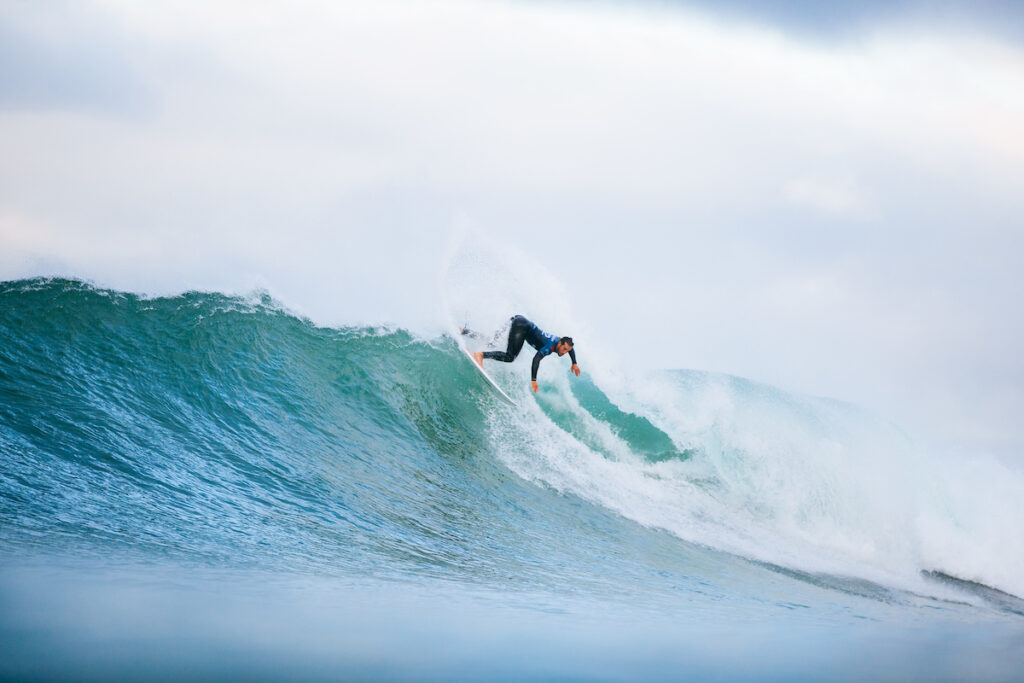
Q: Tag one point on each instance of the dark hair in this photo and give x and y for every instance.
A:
(567, 340)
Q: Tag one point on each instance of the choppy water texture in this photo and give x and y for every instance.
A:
(204, 485)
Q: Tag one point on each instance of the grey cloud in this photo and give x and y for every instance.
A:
(67, 57)
(836, 20)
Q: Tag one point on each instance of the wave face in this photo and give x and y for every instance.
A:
(225, 431)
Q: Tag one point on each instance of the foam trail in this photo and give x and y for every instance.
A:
(808, 483)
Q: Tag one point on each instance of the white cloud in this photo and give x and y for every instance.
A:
(836, 198)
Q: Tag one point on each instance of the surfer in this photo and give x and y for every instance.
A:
(522, 330)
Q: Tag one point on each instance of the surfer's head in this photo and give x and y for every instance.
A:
(563, 346)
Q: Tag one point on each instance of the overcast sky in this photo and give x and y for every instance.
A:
(829, 201)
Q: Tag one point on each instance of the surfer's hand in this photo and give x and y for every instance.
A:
(533, 385)
(575, 369)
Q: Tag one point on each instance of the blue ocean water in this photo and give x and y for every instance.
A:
(210, 486)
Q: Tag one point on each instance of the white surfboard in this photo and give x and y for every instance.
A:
(469, 354)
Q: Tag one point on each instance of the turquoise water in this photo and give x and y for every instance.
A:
(211, 486)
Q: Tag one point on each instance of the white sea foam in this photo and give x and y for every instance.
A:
(809, 483)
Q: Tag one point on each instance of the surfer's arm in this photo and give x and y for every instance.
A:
(533, 370)
(575, 368)
(536, 365)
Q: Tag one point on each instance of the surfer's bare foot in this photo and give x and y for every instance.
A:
(478, 356)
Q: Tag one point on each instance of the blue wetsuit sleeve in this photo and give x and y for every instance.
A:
(572, 355)
(535, 366)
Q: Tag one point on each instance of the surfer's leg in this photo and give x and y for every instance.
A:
(516, 337)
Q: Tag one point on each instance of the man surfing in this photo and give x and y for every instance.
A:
(522, 330)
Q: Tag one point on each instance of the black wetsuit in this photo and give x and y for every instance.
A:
(522, 330)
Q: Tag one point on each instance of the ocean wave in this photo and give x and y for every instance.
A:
(219, 429)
